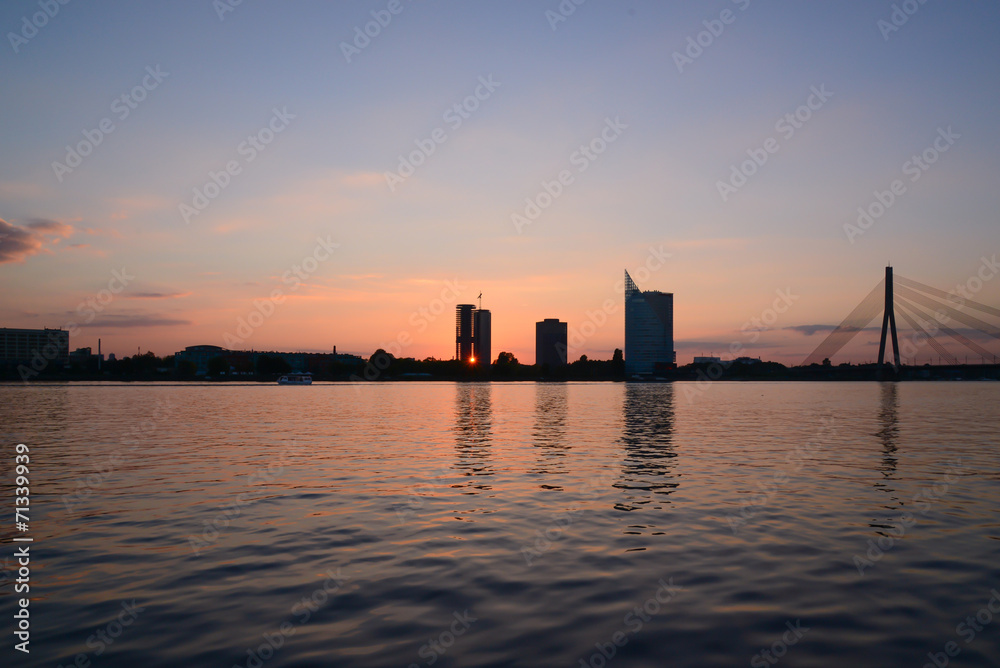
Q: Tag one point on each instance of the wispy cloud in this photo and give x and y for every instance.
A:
(156, 295)
(809, 330)
(126, 321)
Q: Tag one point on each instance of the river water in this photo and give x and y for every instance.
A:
(508, 524)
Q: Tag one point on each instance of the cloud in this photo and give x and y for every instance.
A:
(809, 330)
(18, 243)
(123, 321)
(156, 295)
(718, 348)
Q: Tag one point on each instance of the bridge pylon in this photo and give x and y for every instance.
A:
(888, 323)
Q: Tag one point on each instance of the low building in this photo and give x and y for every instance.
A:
(707, 360)
(21, 346)
(84, 358)
(246, 361)
(199, 356)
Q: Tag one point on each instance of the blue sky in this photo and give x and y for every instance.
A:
(324, 175)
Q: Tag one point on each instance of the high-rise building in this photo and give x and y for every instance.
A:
(481, 325)
(472, 334)
(550, 342)
(649, 329)
(463, 331)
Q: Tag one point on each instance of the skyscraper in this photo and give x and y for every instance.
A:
(550, 342)
(481, 322)
(649, 329)
(472, 334)
(463, 331)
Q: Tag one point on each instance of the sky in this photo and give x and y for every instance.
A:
(304, 175)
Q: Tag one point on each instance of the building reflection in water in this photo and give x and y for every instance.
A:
(647, 470)
(474, 432)
(549, 432)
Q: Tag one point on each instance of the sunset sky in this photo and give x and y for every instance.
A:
(493, 101)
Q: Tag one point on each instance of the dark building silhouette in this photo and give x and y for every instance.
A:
(463, 331)
(22, 345)
(481, 331)
(245, 361)
(472, 334)
(550, 342)
(649, 329)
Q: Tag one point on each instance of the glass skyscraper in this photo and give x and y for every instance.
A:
(649, 329)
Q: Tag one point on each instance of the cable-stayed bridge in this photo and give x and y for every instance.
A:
(929, 312)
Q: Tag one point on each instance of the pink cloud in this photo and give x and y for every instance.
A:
(17, 243)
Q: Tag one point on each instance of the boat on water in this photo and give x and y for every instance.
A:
(296, 379)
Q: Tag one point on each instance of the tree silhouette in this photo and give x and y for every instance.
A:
(506, 360)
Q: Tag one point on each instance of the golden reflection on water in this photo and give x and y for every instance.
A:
(549, 432)
(647, 467)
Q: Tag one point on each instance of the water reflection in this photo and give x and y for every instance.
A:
(549, 431)
(888, 434)
(474, 431)
(647, 471)
(888, 417)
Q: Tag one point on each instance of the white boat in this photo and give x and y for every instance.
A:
(296, 379)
